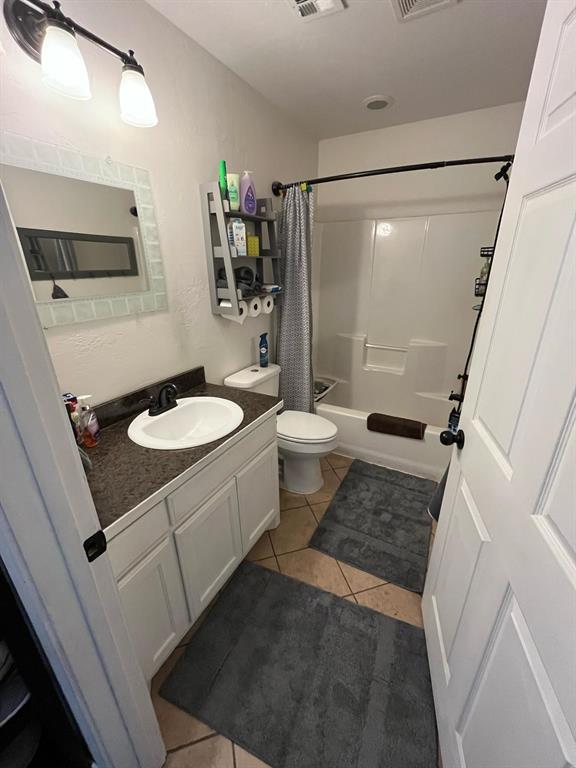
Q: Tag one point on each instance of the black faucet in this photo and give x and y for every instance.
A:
(165, 401)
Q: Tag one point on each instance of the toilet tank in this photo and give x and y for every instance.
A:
(256, 379)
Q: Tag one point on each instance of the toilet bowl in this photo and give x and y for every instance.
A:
(303, 438)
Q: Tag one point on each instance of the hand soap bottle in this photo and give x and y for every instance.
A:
(89, 426)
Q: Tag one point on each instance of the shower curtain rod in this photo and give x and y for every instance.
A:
(278, 186)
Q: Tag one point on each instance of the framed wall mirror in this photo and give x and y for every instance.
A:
(88, 232)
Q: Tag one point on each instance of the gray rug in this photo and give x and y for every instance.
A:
(378, 522)
(304, 679)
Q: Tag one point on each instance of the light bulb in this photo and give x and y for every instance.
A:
(136, 102)
(63, 67)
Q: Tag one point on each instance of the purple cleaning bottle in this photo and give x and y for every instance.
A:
(247, 194)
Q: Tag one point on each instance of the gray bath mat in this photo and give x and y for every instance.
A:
(304, 679)
(378, 522)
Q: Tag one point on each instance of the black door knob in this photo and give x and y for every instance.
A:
(447, 437)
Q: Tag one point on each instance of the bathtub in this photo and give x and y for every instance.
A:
(426, 458)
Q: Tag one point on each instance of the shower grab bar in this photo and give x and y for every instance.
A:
(386, 346)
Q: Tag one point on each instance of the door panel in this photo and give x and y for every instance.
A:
(500, 599)
(556, 517)
(512, 672)
(544, 228)
(465, 539)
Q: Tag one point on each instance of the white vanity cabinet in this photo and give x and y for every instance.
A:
(209, 547)
(258, 495)
(172, 560)
(154, 606)
(147, 571)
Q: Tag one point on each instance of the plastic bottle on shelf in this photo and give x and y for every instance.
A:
(247, 194)
(233, 181)
(223, 180)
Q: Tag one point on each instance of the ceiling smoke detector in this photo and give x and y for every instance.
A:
(411, 9)
(377, 102)
(307, 10)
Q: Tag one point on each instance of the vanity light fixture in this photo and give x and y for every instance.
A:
(136, 102)
(63, 67)
(50, 38)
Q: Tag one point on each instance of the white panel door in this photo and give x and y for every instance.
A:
(258, 496)
(154, 606)
(209, 547)
(500, 597)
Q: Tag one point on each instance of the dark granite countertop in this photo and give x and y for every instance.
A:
(124, 474)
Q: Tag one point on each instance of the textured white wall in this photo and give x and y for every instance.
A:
(482, 132)
(206, 113)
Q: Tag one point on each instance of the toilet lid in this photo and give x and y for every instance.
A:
(305, 427)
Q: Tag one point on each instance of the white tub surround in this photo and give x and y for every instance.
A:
(396, 310)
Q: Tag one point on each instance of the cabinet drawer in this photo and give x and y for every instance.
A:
(196, 490)
(130, 545)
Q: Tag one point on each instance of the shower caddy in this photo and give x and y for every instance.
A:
(219, 252)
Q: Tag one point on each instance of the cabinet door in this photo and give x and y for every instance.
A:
(154, 606)
(209, 547)
(258, 496)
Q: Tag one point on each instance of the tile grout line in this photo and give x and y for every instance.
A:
(273, 549)
(376, 586)
(172, 750)
(291, 509)
(313, 513)
(343, 576)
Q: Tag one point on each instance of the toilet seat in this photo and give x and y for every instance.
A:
(305, 428)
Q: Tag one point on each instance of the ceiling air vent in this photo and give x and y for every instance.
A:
(306, 10)
(412, 9)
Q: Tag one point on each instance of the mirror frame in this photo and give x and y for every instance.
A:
(23, 152)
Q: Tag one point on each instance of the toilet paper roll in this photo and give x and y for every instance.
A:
(267, 305)
(254, 307)
(242, 309)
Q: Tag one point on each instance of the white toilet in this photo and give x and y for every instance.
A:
(303, 438)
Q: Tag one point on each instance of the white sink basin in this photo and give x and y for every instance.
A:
(194, 421)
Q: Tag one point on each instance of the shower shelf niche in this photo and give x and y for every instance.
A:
(219, 252)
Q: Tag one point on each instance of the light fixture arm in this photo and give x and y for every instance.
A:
(14, 16)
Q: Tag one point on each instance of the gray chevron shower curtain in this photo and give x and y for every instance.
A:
(294, 338)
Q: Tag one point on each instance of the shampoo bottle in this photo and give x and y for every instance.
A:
(263, 350)
(233, 180)
(247, 194)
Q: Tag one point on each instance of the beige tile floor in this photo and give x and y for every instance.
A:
(285, 549)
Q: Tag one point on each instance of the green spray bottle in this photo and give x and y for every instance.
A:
(223, 182)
